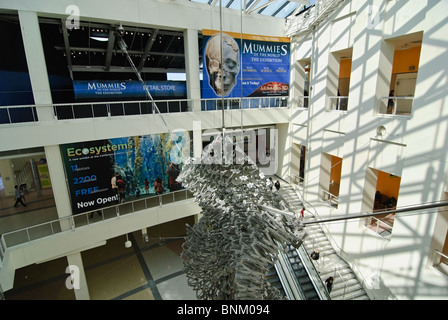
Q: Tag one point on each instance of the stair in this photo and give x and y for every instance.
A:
(346, 285)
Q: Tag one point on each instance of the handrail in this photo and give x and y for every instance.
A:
(337, 269)
(397, 108)
(340, 104)
(278, 271)
(313, 273)
(437, 262)
(331, 197)
(108, 109)
(72, 222)
(302, 102)
(379, 221)
(303, 22)
(335, 244)
(293, 289)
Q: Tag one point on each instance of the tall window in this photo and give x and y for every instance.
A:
(404, 76)
(340, 67)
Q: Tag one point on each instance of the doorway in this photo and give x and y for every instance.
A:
(383, 188)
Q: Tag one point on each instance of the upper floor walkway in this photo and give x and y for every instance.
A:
(59, 237)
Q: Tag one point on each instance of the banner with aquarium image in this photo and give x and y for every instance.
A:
(138, 161)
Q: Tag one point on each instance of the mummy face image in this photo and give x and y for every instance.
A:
(222, 76)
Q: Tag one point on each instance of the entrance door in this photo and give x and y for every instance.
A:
(405, 87)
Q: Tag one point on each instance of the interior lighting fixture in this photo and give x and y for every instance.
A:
(128, 242)
(99, 36)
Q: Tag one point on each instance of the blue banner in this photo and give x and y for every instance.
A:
(254, 66)
(112, 89)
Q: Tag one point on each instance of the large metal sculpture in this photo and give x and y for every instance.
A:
(227, 253)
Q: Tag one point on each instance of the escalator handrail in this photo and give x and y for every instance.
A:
(313, 274)
(293, 288)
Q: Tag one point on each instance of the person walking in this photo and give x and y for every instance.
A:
(277, 185)
(329, 284)
(146, 185)
(121, 184)
(302, 213)
(158, 186)
(315, 254)
(18, 197)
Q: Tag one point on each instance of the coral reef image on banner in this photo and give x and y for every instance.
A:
(138, 161)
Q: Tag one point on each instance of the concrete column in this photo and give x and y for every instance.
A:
(7, 173)
(59, 185)
(192, 69)
(294, 82)
(79, 276)
(197, 139)
(37, 68)
(387, 50)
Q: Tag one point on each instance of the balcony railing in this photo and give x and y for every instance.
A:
(303, 22)
(440, 262)
(330, 198)
(28, 113)
(302, 102)
(380, 227)
(47, 229)
(338, 103)
(396, 105)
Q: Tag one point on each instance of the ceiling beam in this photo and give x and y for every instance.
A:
(110, 48)
(67, 45)
(147, 49)
(85, 68)
(100, 50)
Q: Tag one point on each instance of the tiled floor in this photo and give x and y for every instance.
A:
(145, 271)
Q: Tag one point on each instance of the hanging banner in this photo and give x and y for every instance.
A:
(253, 65)
(138, 161)
(112, 89)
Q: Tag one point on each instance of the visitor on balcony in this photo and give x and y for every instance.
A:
(158, 186)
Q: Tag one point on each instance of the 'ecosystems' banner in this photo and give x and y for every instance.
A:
(110, 89)
(264, 69)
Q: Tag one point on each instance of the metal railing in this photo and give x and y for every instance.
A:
(302, 102)
(288, 279)
(397, 106)
(303, 22)
(297, 180)
(338, 103)
(440, 262)
(380, 227)
(313, 273)
(83, 110)
(334, 244)
(330, 198)
(244, 103)
(70, 223)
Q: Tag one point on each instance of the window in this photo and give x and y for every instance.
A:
(403, 79)
(340, 67)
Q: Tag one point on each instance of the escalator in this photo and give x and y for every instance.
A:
(295, 277)
(303, 278)
(274, 280)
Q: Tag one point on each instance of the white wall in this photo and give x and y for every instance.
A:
(415, 148)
